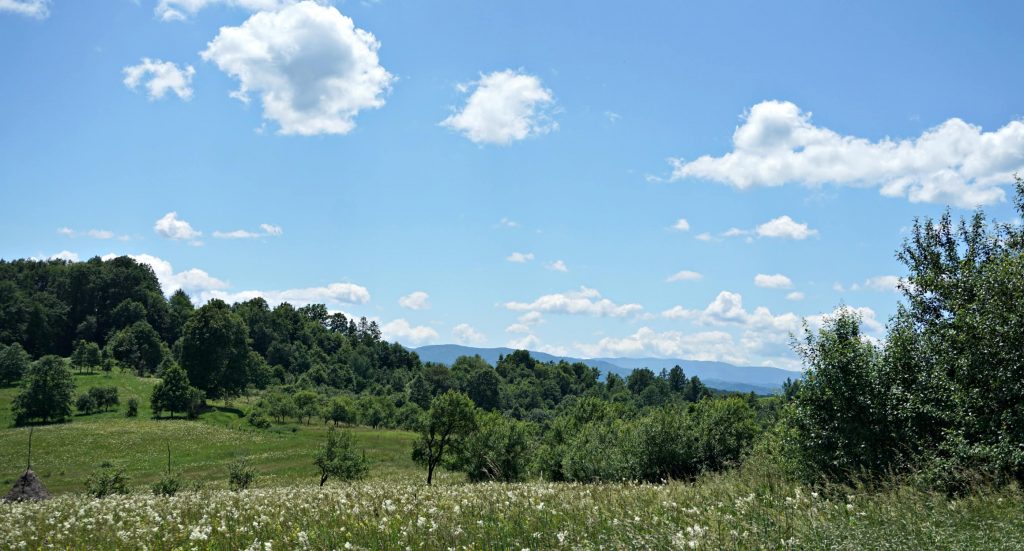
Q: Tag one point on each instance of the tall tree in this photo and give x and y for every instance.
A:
(215, 351)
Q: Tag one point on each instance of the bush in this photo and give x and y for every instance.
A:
(241, 475)
(167, 486)
(259, 420)
(85, 404)
(133, 408)
(106, 481)
(500, 449)
(338, 457)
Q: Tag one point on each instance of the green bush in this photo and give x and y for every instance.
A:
(107, 480)
(167, 486)
(85, 404)
(338, 457)
(500, 449)
(241, 475)
(259, 420)
(133, 408)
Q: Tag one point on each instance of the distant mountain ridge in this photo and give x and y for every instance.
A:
(720, 375)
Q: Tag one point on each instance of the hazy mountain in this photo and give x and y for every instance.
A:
(720, 375)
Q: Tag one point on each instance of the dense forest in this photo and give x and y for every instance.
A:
(940, 400)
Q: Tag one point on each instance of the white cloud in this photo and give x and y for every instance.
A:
(400, 330)
(518, 328)
(685, 275)
(464, 333)
(163, 76)
(795, 295)
(314, 70)
(95, 234)
(706, 345)
(505, 106)
(954, 162)
(776, 281)
(193, 280)
(171, 227)
(583, 302)
(266, 230)
(40, 9)
(785, 227)
(178, 10)
(519, 257)
(63, 255)
(417, 300)
(334, 293)
(883, 283)
(735, 232)
(704, 237)
(681, 225)
(508, 223)
(558, 266)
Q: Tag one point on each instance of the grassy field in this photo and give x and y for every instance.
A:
(393, 509)
(65, 454)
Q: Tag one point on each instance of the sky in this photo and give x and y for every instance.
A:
(666, 179)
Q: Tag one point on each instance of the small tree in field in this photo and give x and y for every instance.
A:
(173, 392)
(451, 416)
(337, 457)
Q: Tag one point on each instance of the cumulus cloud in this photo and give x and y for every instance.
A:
(172, 227)
(587, 302)
(417, 300)
(159, 77)
(464, 333)
(681, 225)
(39, 9)
(889, 283)
(313, 69)
(519, 257)
(705, 236)
(179, 10)
(505, 106)
(785, 227)
(192, 280)
(775, 281)
(558, 266)
(705, 345)
(684, 275)
(400, 330)
(266, 230)
(954, 162)
(63, 255)
(334, 293)
(795, 296)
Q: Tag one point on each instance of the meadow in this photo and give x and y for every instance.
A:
(394, 509)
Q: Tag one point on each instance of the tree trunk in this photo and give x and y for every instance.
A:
(323, 479)
(430, 472)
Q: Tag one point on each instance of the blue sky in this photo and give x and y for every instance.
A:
(366, 154)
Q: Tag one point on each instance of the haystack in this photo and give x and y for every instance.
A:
(28, 487)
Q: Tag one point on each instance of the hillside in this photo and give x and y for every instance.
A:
(720, 375)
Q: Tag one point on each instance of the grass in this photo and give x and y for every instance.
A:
(395, 510)
(65, 454)
(719, 512)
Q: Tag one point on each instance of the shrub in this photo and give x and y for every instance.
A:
(133, 408)
(85, 404)
(167, 486)
(107, 480)
(338, 457)
(500, 449)
(259, 420)
(241, 475)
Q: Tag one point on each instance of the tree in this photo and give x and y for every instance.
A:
(215, 351)
(307, 404)
(46, 391)
(86, 356)
(85, 403)
(451, 416)
(483, 388)
(173, 392)
(499, 449)
(339, 410)
(14, 361)
(179, 311)
(137, 347)
(337, 457)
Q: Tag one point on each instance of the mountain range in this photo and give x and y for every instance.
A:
(719, 375)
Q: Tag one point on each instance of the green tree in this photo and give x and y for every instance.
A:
(14, 361)
(499, 449)
(179, 311)
(173, 392)
(214, 350)
(46, 391)
(338, 457)
(86, 356)
(451, 417)
(137, 347)
(339, 410)
(483, 387)
(307, 404)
